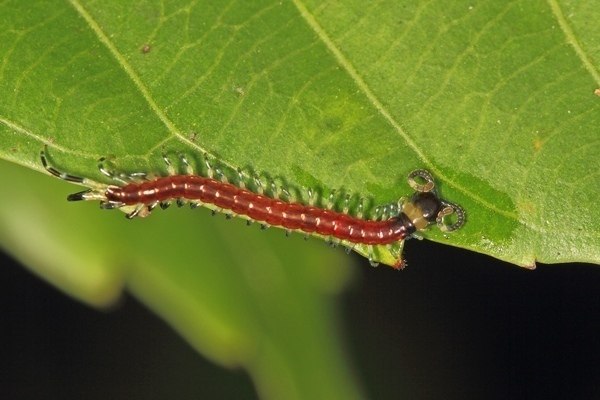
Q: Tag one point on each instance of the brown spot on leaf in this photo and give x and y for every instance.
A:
(239, 90)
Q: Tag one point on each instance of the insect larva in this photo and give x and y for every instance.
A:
(139, 195)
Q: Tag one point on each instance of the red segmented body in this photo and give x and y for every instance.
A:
(262, 208)
(136, 198)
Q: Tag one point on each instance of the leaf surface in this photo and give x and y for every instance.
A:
(496, 99)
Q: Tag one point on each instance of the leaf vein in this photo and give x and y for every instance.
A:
(572, 40)
(129, 70)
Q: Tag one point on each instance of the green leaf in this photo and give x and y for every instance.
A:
(496, 99)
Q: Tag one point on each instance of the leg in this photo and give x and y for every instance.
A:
(376, 214)
(448, 210)
(110, 205)
(186, 165)
(287, 195)
(349, 247)
(152, 206)
(371, 257)
(136, 211)
(209, 169)
(427, 186)
(385, 212)
(220, 175)
(346, 204)
(259, 186)
(360, 208)
(311, 196)
(331, 200)
(111, 174)
(170, 168)
(274, 189)
(96, 193)
(61, 175)
(240, 179)
(88, 194)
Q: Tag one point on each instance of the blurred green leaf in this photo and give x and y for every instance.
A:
(240, 298)
(495, 98)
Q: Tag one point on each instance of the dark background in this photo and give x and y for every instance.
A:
(453, 325)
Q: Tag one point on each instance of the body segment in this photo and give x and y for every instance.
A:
(295, 216)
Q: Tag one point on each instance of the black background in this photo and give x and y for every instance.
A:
(453, 325)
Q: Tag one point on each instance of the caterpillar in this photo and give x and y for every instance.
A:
(137, 194)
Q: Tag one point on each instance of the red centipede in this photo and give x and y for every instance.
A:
(416, 213)
(293, 216)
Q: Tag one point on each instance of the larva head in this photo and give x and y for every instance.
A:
(425, 207)
(422, 209)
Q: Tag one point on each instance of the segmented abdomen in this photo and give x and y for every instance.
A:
(259, 207)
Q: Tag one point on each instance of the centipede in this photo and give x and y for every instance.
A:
(138, 194)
